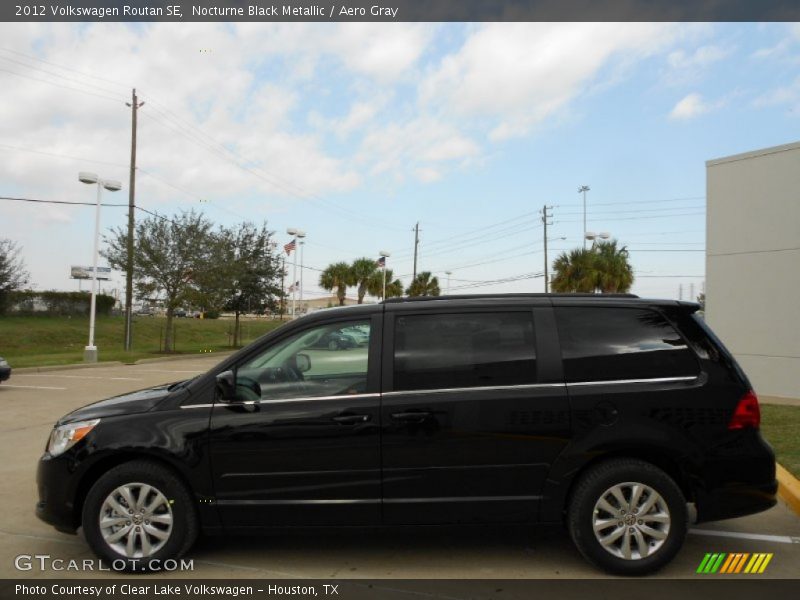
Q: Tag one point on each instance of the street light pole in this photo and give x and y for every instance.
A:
(90, 351)
(296, 233)
(584, 189)
(384, 254)
(448, 273)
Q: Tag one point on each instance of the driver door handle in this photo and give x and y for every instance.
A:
(351, 419)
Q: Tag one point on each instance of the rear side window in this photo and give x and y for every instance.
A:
(606, 344)
(464, 350)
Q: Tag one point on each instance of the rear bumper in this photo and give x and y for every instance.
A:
(735, 500)
(739, 481)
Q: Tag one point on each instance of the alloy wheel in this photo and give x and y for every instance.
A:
(136, 520)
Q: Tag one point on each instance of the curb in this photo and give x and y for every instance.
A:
(117, 363)
(788, 488)
(44, 369)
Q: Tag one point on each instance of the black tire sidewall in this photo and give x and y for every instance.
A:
(184, 527)
(596, 483)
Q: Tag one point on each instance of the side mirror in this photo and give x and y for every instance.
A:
(302, 362)
(226, 386)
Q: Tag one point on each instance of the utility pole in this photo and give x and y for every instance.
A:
(545, 216)
(135, 105)
(416, 245)
(584, 189)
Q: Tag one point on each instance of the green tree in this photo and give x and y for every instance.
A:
(336, 277)
(243, 274)
(170, 257)
(425, 284)
(361, 273)
(394, 287)
(602, 268)
(13, 275)
(615, 273)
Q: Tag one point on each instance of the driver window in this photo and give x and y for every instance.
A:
(328, 360)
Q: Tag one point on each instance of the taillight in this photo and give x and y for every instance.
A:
(747, 414)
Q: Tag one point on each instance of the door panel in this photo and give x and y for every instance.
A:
(468, 452)
(479, 455)
(302, 448)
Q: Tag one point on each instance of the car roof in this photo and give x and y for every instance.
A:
(403, 304)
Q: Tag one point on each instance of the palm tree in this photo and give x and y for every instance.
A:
(361, 272)
(336, 276)
(575, 271)
(394, 289)
(375, 284)
(424, 285)
(604, 268)
(615, 274)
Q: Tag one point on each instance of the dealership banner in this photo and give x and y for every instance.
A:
(400, 10)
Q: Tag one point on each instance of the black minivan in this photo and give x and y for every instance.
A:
(609, 413)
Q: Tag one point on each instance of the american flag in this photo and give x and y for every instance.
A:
(295, 285)
(381, 262)
(290, 246)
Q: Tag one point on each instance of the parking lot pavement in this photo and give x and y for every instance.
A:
(36, 400)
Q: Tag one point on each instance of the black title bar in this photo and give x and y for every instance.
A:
(399, 10)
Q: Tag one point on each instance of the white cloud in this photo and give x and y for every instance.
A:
(701, 58)
(781, 96)
(689, 107)
(518, 74)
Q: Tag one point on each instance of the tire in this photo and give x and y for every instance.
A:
(653, 541)
(166, 501)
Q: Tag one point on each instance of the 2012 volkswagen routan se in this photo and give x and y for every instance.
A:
(608, 413)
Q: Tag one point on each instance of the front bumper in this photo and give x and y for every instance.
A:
(5, 373)
(56, 501)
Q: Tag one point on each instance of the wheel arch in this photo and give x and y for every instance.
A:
(558, 492)
(104, 464)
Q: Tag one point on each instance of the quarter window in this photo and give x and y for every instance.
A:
(328, 360)
(464, 350)
(605, 344)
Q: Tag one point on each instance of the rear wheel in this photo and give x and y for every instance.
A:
(138, 515)
(627, 517)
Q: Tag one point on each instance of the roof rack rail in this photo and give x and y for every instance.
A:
(479, 296)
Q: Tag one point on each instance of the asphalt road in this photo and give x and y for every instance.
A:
(31, 402)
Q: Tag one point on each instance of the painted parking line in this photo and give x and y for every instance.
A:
(32, 387)
(780, 539)
(79, 377)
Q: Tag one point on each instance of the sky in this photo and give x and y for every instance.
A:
(354, 132)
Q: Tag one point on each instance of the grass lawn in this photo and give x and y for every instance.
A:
(39, 341)
(780, 425)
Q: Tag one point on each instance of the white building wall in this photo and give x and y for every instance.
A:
(753, 264)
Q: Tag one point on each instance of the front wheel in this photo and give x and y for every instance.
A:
(137, 515)
(627, 517)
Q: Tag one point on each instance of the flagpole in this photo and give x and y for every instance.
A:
(384, 281)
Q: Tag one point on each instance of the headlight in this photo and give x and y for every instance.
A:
(66, 436)
(3, 362)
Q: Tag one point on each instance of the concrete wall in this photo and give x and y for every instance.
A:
(753, 263)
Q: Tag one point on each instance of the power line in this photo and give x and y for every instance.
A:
(41, 60)
(67, 87)
(39, 201)
(57, 155)
(64, 77)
